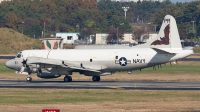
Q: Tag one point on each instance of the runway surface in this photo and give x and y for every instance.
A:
(7, 57)
(140, 85)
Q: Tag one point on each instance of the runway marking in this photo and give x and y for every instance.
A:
(115, 87)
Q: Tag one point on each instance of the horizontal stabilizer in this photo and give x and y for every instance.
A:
(160, 51)
(188, 48)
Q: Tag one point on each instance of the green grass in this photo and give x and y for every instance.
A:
(49, 96)
(189, 68)
(174, 69)
(196, 49)
(12, 42)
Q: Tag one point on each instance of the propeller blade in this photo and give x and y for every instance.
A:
(22, 69)
(24, 63)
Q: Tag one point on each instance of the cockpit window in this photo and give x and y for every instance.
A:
(19, 55)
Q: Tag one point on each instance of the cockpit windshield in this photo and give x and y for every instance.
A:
(19, 55)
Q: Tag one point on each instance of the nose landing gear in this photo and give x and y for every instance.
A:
(29, 78)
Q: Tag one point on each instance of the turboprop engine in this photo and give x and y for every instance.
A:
(88, 73)
(47, 75)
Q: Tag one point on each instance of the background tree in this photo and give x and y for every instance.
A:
(115, 34)
(12, 20)
(92, 17)
(138, 31)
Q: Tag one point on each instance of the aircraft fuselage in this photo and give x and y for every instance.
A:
(109, 59)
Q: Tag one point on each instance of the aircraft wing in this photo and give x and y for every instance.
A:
(63, 63)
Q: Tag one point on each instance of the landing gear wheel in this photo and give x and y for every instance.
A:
(67, 78)
(29, 79)
(96, 78)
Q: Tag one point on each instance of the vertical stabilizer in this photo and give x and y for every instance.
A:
(168, 36)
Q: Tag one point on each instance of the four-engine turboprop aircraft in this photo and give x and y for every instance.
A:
(166, 47)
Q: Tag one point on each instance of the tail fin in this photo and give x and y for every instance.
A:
(168, 36)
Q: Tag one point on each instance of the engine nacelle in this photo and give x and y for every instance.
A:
(47, 75)
(88, 73)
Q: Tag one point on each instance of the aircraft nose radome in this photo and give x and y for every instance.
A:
(9, 64)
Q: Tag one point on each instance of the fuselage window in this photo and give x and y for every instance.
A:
(69, 37)
(90, 60)
(18, 55)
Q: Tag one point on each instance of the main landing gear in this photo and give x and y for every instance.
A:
(96, 78)
(67, 79)
(29, 78)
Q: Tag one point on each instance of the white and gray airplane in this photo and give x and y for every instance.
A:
(166, 47)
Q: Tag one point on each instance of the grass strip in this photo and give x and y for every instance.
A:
(56, 96)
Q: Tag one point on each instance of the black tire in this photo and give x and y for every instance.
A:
(67, 79)
(70, 78)
(29, 79)
(96, 78)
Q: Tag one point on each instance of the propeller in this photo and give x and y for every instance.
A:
(24, 62)
(24, 65)
(22, 69)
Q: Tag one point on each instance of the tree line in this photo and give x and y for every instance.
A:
(32, 17)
